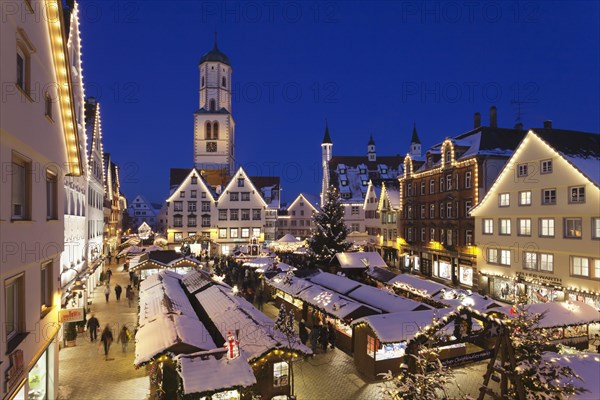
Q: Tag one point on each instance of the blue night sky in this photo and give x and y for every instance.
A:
(369, 68)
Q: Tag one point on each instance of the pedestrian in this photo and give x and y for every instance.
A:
(131, 273)
(314, 338)
(303, 332)
(108, 274)
(118, 290)
(106, 339)
(332, 334)
(124, 338)
(129, 295)
(109, 258)
(92, 327)
(260, 300)
(135, 280)
(323, 337)
(107, 292)
(596, 343)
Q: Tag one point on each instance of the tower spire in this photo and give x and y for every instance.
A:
(415, 137)
(326, 137)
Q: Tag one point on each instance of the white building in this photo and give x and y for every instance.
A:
(297, 219)
(538, 227)
(141, 210)
(39, 145)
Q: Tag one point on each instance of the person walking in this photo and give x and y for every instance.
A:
(323, 337)
(124, 337)
(108, 274)
(314, 338)
(332, 334)
(106, 339)
(118, 290)
(131, 273)
(129, 295)
(92, 327)
(260, 301)
(135, 280)
(303, 332)
(596, 343)
(107, 292)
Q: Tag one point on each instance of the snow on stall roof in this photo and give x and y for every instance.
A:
(333, 303)
(196, 280)
(384, 300)
(559, 313)
(202, 373)
(259, 262)
(163, 295)
(288, 238)
(475, 301)
(229, 312)
(360, 260)
(156, 279)
(340, 284)
(420, 285)
(400, 326)
(587, 366)
(292, 288)
(169, 331)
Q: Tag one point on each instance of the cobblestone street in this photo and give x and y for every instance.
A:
(83, 372)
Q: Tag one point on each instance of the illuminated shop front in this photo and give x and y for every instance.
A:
(442, 269)
(465, 275)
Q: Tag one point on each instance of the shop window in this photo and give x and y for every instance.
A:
(233, 233)
(466, 275)
(38, 382)
(280, 374)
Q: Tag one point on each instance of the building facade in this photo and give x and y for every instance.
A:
(297, 219)
(39, 146)
(437, 194)
(141, 210)
(114, 206)
(538, 228)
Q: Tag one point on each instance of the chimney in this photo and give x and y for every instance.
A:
(548, 124)
(476, 120)
(493, 117)
(519, 126)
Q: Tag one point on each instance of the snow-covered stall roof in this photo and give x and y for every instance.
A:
(291, 287)
(475, 301)
(417, 285)
(260, 262)
(381, 274)
(163, 295)
(178, 333)
(559, 313)
(229, 312)
(587, 366)
(196, 280)
(335, 304)
(400, 326)
(360, 260)
(204, 373)
(384, 300)
(288, 238)
(340, 284)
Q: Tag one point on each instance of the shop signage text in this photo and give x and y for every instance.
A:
(70, 315)
(541, 278)
(14, 372)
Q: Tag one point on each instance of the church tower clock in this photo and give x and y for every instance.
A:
(214, 138)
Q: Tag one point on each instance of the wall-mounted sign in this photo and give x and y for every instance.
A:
(15, 370)
(70, 315)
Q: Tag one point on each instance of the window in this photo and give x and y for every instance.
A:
(46, 286)
(23, 63)
(206, 206)
(468, 205)
(233, 233)
(468, 237)
(580, 266)
(422, 211)
(431, 186)
(234, 196)
(182, 194)
(178, 206)
(525, 198)
(21, 70)
(448, 210)
(51, 196)
(524, 227)
(240, 182)
(256, 232)
(213, 105)
(422, 187)
(194, 194)
(191, 206)
(222, 215)
(432, 234)
(522, 170)
(191, 220)
(208, 131)
(177, 221)
(577, 194)
(468, 180)
(505, 257)
(256, 214)
(529, 260)
(546, 227)
(280, 374)
(442, 210)
(354, 210)
(224, 82)
(504, 226)
(245, 196)
(355, 227)
(596, 266)
(202, 82)
(492, 255)
(423, 235)
(245, 214)
(13, 299)
(216, 130)
(448, 182)
(205, 221)
(488, 226)
(442, 184)
(21, 188)
(222, 233)
(548, 196)
(178, 236)
(372, 346)
(203, 195)
(504, 199)
(572, 228)
(595, 228)
(546, 166)
(233, 215)
(194, 180)
(449, 237)
(547, 262)
(432, 211)
(48, 106)
(245, 233)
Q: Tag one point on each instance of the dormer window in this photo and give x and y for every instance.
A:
(240, 182)
(384, 170)
(364, 182)
(363, 171)
(194, 180)
(344, 182)
(342, 171)
(447, 158)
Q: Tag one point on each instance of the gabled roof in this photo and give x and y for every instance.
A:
(191, 172)
(391, 191)
(312, 201)
(233, 180)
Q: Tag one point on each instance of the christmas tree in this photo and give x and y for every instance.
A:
(329, 235)
(285, 324)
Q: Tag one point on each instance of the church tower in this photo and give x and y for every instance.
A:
(326, 148)
(415, 144)
(371, 155)
(214, 128)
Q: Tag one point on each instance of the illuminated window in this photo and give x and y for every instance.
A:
(504, 226)
(547, 262)
(580, 266)
(530, 260)
(468, 180)
(222, 233)
(422, 187)
(280, 374)
(256, 232)
(572, 228)
(505, 257)
(547, 227)
(596, 228)
(178, 236)
(522, 170)
(525, 198)
(432, 211)
(468, 237)
(372, 346)
(504, 199)
(524, 227)
(577, 194)
(546, 166)
(448, 182)
(245, 233)
(240, 182)
(492, 255)
(233, 233)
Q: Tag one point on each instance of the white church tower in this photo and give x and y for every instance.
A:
(415, 144)
(326, 147)
(214, 137)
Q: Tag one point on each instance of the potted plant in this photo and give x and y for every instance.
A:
(81, 324)
(70, 334)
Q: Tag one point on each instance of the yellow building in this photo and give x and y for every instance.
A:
(538, 227)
